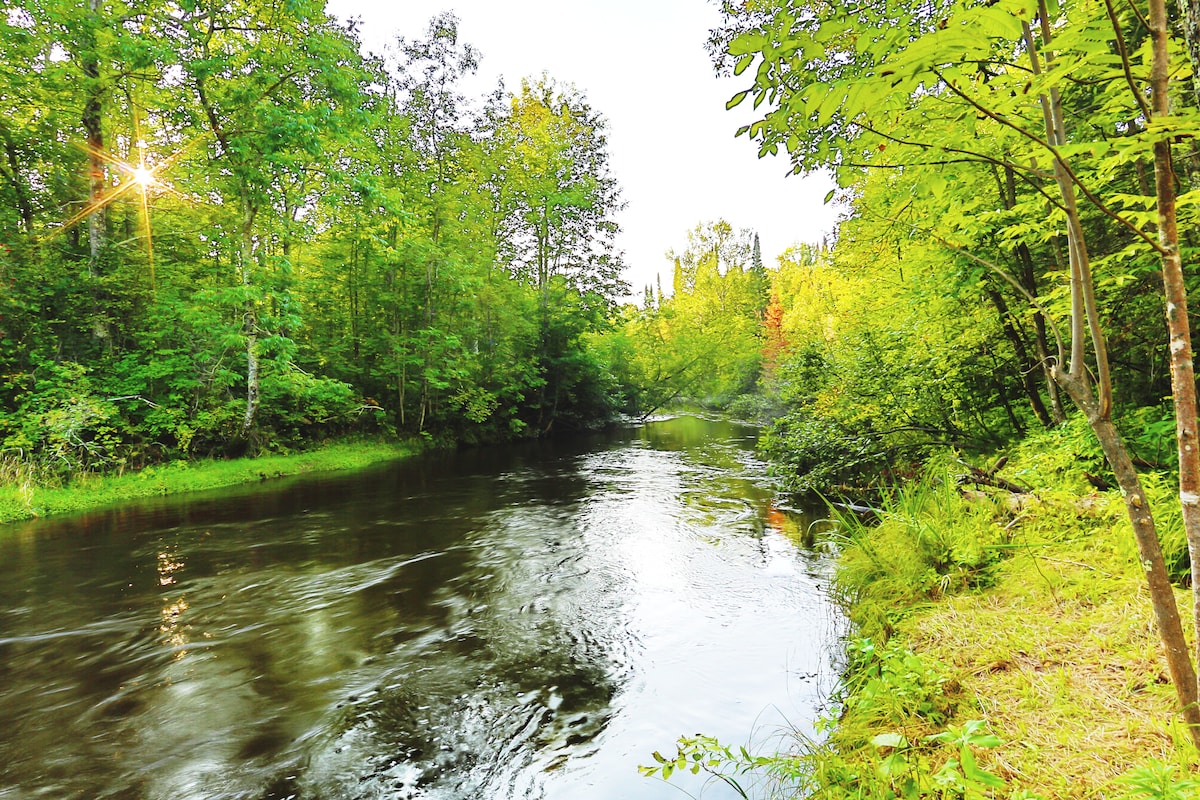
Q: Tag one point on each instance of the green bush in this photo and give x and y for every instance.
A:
(297, 406)
(814, 453)
(63, 423)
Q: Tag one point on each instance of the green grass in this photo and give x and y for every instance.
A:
(23, 496)
(1049, 640)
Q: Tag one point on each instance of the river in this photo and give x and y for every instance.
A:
(528, 621)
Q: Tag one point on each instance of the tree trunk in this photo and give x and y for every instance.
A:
(93, 129)
(352, 276)
(91, 119)
(1025, 366)
(249, 316)
(1040, 340)
(1183, 378)
(1162, 595)
(1028, 280)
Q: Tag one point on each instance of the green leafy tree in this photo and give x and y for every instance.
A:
(704, 343)
(270, 88)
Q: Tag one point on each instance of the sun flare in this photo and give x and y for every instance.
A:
(144, 177)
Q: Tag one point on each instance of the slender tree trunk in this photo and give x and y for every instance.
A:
(352, 275)
(1025, 366)
(401, 385)
(1028, 280)
(93, 130)
(249, 315)
(1183, 378)
(1041, 341)
(92, 111)
(1162, 594)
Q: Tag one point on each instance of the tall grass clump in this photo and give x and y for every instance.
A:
(927, 540)
(20, 479)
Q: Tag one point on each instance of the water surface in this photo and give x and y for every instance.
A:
(518, 622)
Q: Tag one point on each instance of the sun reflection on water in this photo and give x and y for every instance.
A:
(168, 565)
(172, 630)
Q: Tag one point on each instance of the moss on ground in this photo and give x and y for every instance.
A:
(22, 497)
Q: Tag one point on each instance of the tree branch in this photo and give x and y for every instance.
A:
(973, 155)
(1058, 158)
(1123, 52)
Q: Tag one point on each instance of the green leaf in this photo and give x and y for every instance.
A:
(737, 99)
(972, 772)
(747, 43)
(889, 739)
(999, 23)
(829, 106)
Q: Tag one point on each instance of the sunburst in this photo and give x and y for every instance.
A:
(143, 177)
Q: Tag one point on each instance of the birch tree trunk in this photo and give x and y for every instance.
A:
(249, 315)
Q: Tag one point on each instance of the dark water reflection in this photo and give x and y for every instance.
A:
(523, 622)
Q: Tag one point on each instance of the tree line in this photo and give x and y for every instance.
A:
(225, 229)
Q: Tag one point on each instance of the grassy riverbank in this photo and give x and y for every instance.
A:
(24, 496)
(1004, 647)
(1021, 656)
(1026, 622)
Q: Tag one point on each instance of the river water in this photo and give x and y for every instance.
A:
(517, 622)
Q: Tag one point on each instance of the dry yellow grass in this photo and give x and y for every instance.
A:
(1061, 658)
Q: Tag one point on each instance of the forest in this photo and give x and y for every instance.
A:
(227, 231)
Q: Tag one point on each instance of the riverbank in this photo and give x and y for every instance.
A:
(21, 497)
(1004, 646)
(1006, 642)
(1034, 629)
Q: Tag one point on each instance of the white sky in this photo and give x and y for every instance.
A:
(642, 64)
